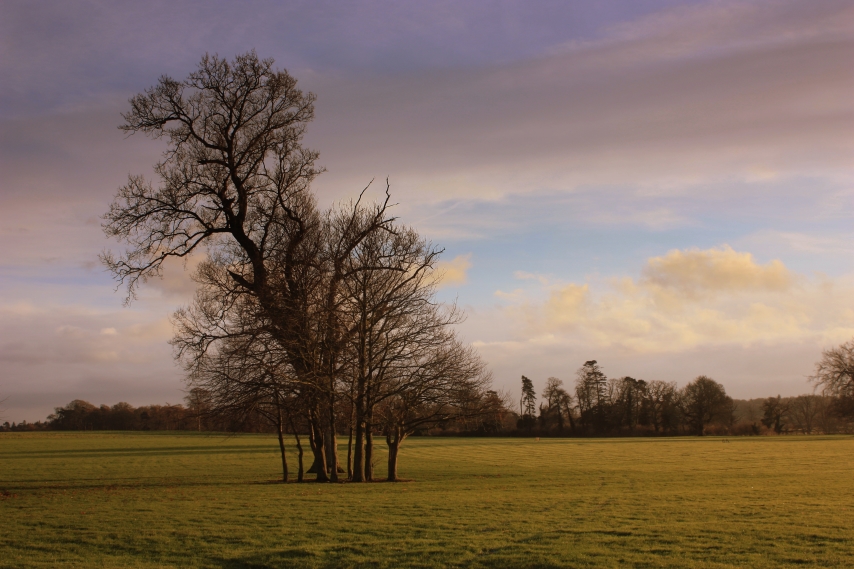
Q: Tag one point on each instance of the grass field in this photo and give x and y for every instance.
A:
(166, 500)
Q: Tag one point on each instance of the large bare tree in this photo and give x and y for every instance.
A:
(234, 180)
(321, 315)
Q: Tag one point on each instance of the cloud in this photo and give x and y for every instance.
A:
(714, 27)
(70, 336)
(724, 92)
(685, 300)
(694, 272)
(455, 271)
(176, 282)
(836, 245)
(52, 353)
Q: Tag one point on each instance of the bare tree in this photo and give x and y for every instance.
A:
(828, 419)
(379, 326)
(406, 368)
(559, 403)
(834, 374)
(199, 402)
(804, 411)
(234, 168)
(435, 385)
(661, 397)
(235, 180)
(238, 373)
(389, 313)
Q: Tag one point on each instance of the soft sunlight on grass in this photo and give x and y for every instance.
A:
(193, 500)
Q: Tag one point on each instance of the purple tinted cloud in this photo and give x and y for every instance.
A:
(58, 53)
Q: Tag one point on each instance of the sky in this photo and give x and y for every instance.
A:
(664, 186)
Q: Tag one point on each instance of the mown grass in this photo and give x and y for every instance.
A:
(195, 500)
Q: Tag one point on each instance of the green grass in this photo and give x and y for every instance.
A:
(165, 500)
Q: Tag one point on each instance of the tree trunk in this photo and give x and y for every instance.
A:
(359, 452)
(300, 471)
(312, 444)
(359, 455)
(332, 438)
(350, 436)
(392, 462)
(282, 448)
(571, 420)
(318, 448)
(332, 465)
(393, 439)
(350, 454)
(369, 453)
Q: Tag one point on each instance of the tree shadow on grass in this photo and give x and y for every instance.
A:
(352, 557)
(124, 452)
(88, 484)
(516, 564)
(36, 485)
(287, 558)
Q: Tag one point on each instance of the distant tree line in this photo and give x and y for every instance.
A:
(625, 406)
(24, 426)
(81, 415)
(199, 414)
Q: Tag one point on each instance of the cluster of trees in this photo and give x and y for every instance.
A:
(321, 321)
(602, 406)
